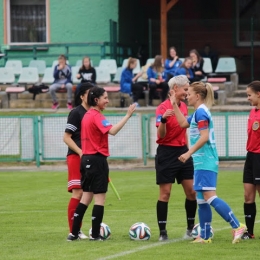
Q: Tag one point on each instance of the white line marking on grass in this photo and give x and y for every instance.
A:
(156, 244)
(141, 248)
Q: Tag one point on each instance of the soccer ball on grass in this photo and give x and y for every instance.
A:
(140, 231)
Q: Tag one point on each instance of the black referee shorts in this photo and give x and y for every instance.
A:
(94, 173)
(168, 167)
(252, 168)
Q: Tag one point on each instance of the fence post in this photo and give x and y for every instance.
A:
(144, 138)
(36, 141)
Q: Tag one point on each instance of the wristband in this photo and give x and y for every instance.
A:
(163, 120)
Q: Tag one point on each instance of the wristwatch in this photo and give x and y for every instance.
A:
(163, 120)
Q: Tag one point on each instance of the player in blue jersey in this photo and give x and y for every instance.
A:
(205, 159)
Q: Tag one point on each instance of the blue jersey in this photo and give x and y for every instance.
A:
(206, 158)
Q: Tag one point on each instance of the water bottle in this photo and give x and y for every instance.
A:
(122, 101)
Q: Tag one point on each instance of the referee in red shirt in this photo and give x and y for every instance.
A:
(251, 175)
(94, 167)
(172, 142)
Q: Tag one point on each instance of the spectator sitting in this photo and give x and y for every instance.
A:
(86, 73)
(127, 82)
(62, 79)
(157, 79)
(185, 69)
(197, 65)
(208, 53)
(171, 63)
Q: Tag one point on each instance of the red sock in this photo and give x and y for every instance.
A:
(73, 203)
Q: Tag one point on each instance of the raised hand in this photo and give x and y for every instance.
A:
(131, 110)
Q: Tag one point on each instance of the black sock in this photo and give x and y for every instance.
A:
(190, 207)
(162, 211)
(250, 213)
(78, 216)
(97, 217)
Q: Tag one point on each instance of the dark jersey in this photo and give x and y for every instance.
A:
(88, 75)
(74, 125)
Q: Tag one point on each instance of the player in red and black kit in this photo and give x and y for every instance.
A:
(172, 142)
(251, 176)
(72, 139)
(94, 166)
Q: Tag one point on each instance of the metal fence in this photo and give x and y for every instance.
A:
(40, 138)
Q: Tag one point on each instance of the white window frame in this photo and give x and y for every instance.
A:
(238, 42)
(8, 22)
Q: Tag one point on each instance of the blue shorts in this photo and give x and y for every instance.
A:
(204, 180)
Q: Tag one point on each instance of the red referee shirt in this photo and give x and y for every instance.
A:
(253, 131)
(94, 133)
(175, 135)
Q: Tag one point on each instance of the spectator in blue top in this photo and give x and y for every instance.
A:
(62, 80)
(186, 69)
(157, 79)
(128, 81)
(171, 63)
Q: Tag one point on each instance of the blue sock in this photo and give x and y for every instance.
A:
(205, 216)
(224, 211)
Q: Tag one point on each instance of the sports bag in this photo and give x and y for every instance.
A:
(38, 89)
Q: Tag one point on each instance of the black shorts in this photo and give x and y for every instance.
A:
(168, 167)
(94, 173)
(252, 168)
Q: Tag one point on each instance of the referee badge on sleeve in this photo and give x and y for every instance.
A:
(255, 125)
(158, 119)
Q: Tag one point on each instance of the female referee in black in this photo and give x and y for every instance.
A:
(94, 166)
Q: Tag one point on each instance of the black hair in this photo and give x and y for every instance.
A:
(95, 92)
(255, 86)
(82, 90)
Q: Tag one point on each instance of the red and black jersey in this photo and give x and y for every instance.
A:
(253, 131)
(175, 135)
(74, 125)
(94, 133)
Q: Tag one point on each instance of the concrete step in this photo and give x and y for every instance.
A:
(237, 101)
(242, 86)
(240, 93)
(25, 103)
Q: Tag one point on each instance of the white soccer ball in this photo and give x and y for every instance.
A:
(196, 231)
(105, 231)
(140, 231)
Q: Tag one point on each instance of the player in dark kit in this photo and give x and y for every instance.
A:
(73, 141)
(172, 142)
(94, 166)
(251, 177)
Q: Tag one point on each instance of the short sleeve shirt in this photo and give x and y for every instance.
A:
(253, 131)
(94, 133)
(73, 126)
(175, 135)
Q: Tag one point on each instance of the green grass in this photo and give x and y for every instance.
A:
(33, 220)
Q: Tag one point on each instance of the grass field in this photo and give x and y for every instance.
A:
(33, 220)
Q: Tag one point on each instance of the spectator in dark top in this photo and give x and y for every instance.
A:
(171, 63)
(127, 82)
(197, 65)
(208, 53)
(186, 69)
(157, 79)
(62, 79)
(86, 73)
